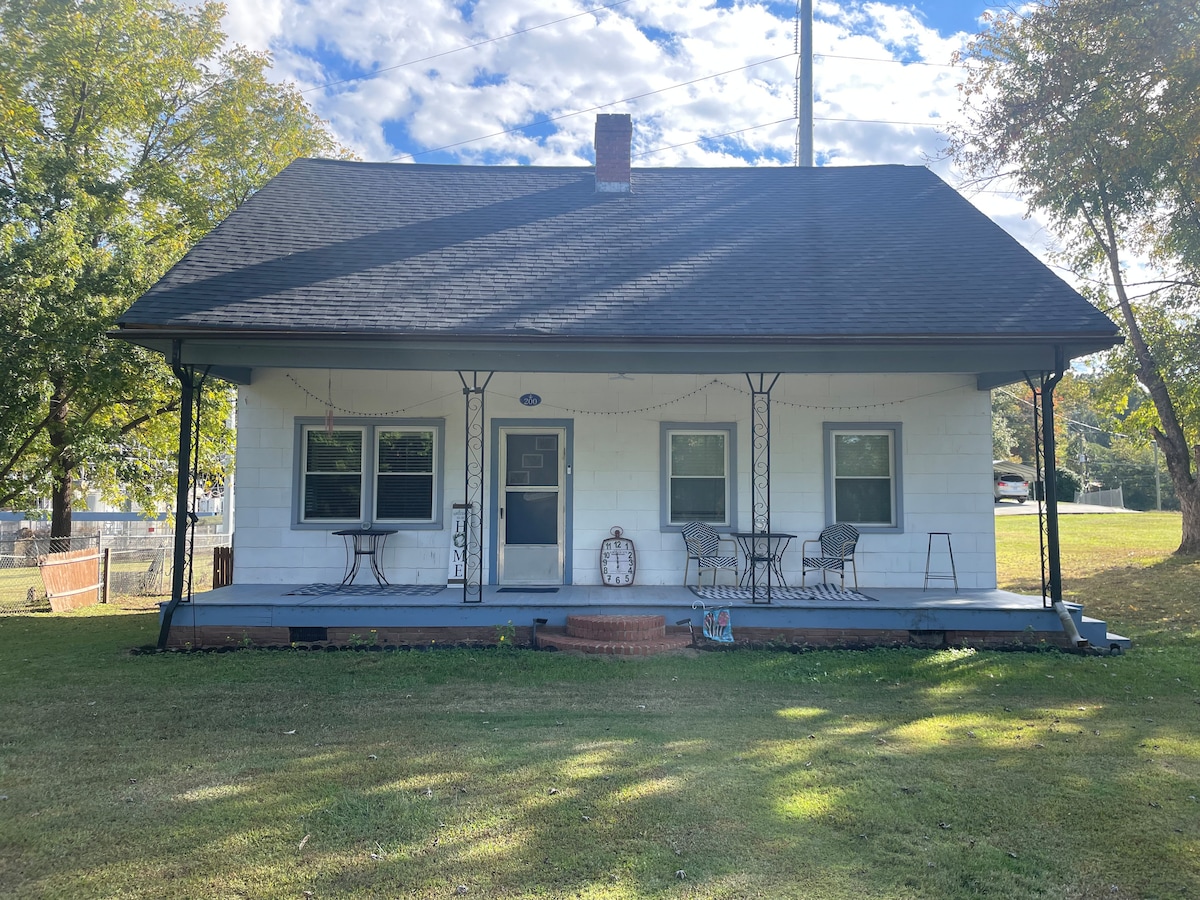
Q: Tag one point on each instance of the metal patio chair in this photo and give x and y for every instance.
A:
(704, 546)
(837, 543)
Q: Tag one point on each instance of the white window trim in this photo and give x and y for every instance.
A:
(369, 472)
(729, 430)
(893, 431)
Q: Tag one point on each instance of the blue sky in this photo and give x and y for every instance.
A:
(708, 82)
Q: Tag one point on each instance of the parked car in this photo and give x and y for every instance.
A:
(1013, 486)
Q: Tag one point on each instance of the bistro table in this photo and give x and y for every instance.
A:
(362, 542)
(763, 551)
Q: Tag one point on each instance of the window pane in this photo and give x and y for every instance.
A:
(333, 476)
(864, 501)
(405, 451)
(332, 496)
(531, 517)
(404, 497)
(698, 455)
(701, 499)
(531, 459)
(862, 455)
(340, 451)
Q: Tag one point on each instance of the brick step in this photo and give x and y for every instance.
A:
(617, 628)
(556, 639)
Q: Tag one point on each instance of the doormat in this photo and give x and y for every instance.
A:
(367, 590)
(725, 594)
(528, 590)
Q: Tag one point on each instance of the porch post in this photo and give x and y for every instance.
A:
(1050, 493)
(760, 481)
(187, 383)
(473, 447)
(1050, 483)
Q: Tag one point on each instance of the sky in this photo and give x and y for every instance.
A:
(707, 82)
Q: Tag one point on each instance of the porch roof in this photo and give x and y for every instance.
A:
(820, 269)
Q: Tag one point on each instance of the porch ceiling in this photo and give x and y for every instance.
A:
(991, 362)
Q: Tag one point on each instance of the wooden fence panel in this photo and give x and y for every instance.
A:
(222, 567)
(72, 578)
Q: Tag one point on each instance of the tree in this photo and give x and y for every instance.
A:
(1091, 108)
(126, 133)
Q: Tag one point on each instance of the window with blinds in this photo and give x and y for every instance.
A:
(698, 477)
(367, 473)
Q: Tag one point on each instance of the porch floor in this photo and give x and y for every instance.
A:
(270, 613)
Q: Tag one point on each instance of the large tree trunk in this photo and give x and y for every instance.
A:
(1170, 437)
(62, 462)
(1189, 503)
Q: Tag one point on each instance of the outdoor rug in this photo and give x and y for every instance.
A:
(528, 590)
(368, 590)
(822, 592)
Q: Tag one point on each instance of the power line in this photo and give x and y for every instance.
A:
(580, 112)
(413, 62)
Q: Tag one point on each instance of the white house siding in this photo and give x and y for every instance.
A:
(946, 465)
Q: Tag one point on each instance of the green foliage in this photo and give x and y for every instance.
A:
(126, 133)
(1088, 106)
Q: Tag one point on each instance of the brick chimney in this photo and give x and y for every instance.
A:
(614, 137)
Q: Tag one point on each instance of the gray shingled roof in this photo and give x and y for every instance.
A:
(441, 251)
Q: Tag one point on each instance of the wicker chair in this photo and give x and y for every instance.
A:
(704, 545)
(837, 543)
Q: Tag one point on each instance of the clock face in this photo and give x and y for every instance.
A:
(617, 562)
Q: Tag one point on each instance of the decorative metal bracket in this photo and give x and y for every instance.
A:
(473, 392)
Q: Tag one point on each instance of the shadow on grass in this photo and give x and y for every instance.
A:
(831, 774)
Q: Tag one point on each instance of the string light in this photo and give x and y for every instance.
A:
(704, 388)
(330, 405)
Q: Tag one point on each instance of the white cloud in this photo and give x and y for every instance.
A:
(878, 66)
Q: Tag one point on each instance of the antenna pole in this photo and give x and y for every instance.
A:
(805, 88)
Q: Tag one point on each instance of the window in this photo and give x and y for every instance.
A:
(359, 474)
(333, 483)
(863, 475)
(697, 462)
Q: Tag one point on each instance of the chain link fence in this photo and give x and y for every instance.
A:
(140, 568)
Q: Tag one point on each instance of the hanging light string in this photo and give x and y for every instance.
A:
(328, 403)
(737, 390)
(703, 389)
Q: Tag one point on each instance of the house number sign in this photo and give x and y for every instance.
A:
(530, 399)
(617, 561)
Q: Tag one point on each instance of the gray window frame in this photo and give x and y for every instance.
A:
(830, 429)
(731, 508)
(370, 429)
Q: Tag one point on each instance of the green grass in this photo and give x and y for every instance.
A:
(1119, 567)
(881, 774)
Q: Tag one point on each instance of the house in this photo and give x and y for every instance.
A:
(528, 357)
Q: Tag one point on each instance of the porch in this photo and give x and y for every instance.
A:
(429, 615)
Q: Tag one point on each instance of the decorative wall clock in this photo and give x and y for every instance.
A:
(618, 563)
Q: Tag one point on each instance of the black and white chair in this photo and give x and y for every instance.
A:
(704, 546)
(837, 544)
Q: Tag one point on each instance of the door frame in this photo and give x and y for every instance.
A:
(567, 426)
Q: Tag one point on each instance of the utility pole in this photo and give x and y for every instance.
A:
(804, 156)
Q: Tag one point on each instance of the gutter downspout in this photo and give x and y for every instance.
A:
(1050, 488)
(187, 383)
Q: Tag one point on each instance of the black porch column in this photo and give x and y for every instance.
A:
(760, 483)
(473, 447)
(187, 383)
(1050, 476)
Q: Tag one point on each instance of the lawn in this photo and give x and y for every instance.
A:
(881, 774)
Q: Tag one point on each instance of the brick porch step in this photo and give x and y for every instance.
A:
(615, 636)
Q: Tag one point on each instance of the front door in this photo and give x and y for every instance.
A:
(532, 511)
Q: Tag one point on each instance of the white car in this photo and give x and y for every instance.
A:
(1013, 486)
